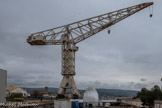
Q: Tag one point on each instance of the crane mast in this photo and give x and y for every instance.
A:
(71, 34)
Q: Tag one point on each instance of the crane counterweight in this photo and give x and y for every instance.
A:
(36, 40)
(71, 34)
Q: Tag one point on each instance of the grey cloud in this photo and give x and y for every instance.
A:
(143, 80)
(113, 85)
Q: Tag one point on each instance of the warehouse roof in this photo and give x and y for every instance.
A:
(11, 88)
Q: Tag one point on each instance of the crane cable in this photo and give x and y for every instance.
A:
(151, 11)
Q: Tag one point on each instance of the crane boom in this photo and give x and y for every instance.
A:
(83, 29)
(71, 34)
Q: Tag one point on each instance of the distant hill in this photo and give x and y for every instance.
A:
(117, 92)
(101, 92)
(50, 89)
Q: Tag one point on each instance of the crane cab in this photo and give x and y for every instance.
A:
(36, 40)
(75, 48)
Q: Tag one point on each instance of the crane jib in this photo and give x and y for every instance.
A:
(80, 28)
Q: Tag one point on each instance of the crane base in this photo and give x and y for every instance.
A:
(68, 83)
(60, 96)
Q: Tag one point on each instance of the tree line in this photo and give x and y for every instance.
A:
(149, 96)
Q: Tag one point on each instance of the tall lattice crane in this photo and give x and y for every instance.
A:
(71, 34)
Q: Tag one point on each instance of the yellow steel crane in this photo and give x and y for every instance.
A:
(71, 34)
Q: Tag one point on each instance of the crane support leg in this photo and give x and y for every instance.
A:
(68, 70)
(68, 83)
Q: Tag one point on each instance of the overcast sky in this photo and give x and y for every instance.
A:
(129, 58)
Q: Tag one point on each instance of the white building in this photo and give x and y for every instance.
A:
(3, 82)
(13, 90)
(62, 104)
(90, 98)
(157, 104)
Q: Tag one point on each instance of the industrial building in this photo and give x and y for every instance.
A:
(13, 90)
(3, 83)
(90, 100)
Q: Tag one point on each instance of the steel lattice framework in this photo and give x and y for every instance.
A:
(71, 34)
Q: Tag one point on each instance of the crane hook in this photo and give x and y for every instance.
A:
(109, 30)
(150, 15)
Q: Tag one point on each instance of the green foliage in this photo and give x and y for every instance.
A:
(149, 96)
(16, 95)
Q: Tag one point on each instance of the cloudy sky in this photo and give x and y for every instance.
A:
(129, 58)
